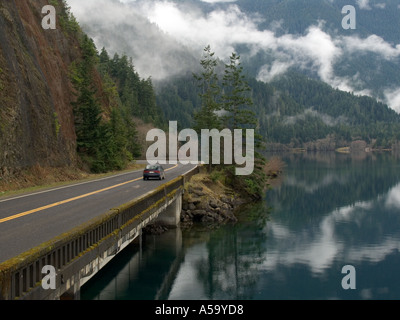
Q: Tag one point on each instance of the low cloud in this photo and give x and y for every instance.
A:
(392, 98)
(374, 44)
(364, 4)
(310, 112)
(168, 32)
(121, 28)
(269, 72)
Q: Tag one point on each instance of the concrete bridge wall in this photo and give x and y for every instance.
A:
(79, 254)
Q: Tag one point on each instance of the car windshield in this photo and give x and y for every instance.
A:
(150, 167)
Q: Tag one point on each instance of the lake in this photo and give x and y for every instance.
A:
(328, 211)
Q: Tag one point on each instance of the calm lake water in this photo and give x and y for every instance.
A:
(330, 210)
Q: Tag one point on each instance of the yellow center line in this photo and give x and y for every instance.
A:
(22, 214)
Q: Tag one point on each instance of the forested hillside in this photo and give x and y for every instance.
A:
(107, 137)
(64, 103)
(328, 113)
(305, 36)
(298, 112)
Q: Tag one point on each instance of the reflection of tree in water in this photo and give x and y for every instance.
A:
(235, 253)
(332, 213)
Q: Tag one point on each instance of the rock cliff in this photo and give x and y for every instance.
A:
(36, 116)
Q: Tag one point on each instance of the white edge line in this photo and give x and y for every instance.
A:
(73, 185)
(190, 170)
(68, 186)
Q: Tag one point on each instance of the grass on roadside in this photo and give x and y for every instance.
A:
(39, 178)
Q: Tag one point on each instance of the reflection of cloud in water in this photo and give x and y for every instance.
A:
(312, 187)
(374, 253)
(393, 198)
(291, 248)
(319, 246)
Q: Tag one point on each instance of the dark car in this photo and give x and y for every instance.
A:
(154, 172)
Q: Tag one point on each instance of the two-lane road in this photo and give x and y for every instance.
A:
(29, 220)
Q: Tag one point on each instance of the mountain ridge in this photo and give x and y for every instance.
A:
(307, 36)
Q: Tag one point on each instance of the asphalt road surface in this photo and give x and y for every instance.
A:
(28, 220)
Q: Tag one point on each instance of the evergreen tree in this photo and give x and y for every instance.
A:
(148, 109)
(118, 72)
(230, 106)
(210, 95)
(239, 114)
(136, 94)
(119, 141)
(207, 117)
(237, 100)
(87, 110)
(103, 144)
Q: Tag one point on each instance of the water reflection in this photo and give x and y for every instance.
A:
(223, 264)
(352, 218)
(393, 198)
(329, 211)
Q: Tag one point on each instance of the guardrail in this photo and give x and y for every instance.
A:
(21, 277)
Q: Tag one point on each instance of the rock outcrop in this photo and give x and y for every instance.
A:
(209, 201)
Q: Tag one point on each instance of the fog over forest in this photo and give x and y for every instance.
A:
(166, 38)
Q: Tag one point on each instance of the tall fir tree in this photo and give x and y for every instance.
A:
(87, 110)
(237, 101)
(207, 117)
(239, 114)
(210, 94)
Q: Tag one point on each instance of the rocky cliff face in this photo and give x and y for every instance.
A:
(36, 116)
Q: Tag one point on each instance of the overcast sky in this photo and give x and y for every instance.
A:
(225, 29)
